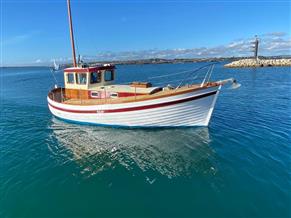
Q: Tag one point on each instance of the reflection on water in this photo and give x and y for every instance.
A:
(169, 152)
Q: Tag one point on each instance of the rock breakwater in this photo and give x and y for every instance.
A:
(259, 63)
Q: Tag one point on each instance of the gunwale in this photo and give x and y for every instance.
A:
(132, 99)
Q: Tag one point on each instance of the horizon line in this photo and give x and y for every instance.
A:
(148, 59)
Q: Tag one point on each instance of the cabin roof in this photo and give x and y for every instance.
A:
(89, 69)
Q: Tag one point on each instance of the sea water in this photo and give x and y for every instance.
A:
(239, 166)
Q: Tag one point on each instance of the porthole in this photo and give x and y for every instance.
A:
(114, 95)
(95, 94)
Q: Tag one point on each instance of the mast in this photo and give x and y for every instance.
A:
(71, 33)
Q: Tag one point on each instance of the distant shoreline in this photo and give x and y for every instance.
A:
(161, 61)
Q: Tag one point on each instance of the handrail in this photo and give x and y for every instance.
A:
(194, 71)
(209, 72)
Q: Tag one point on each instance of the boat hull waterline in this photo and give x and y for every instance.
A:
(188, 109)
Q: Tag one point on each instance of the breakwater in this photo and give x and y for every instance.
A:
(259, 63)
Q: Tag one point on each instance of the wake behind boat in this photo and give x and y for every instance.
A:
(90, 96)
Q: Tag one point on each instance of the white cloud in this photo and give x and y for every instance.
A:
(275, 43)
(277, 34)
(18, 38)
(15, 39)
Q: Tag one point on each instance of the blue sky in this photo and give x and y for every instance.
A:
(35, 31)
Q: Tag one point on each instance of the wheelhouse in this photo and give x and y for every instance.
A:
(89, 78)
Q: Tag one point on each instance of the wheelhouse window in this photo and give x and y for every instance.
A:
(108, 75)
(95, 77)
(81, 78)
(70, 78)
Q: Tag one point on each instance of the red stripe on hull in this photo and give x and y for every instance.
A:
(128, 94)
(138, 107)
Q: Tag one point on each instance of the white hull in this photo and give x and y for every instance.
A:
(189, 109)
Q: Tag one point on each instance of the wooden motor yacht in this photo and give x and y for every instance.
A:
(91, 96)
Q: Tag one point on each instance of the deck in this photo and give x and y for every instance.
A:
(59, 96)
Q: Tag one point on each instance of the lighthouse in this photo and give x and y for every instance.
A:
(256, 48)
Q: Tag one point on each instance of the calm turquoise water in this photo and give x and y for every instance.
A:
(239, 166)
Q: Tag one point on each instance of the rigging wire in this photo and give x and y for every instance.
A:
(191, 74)
(170, 74)
(53, 75)
(171, 81)
(77, 49)
(182, 72)
(195, 77)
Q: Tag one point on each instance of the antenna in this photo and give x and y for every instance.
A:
(71, 33)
